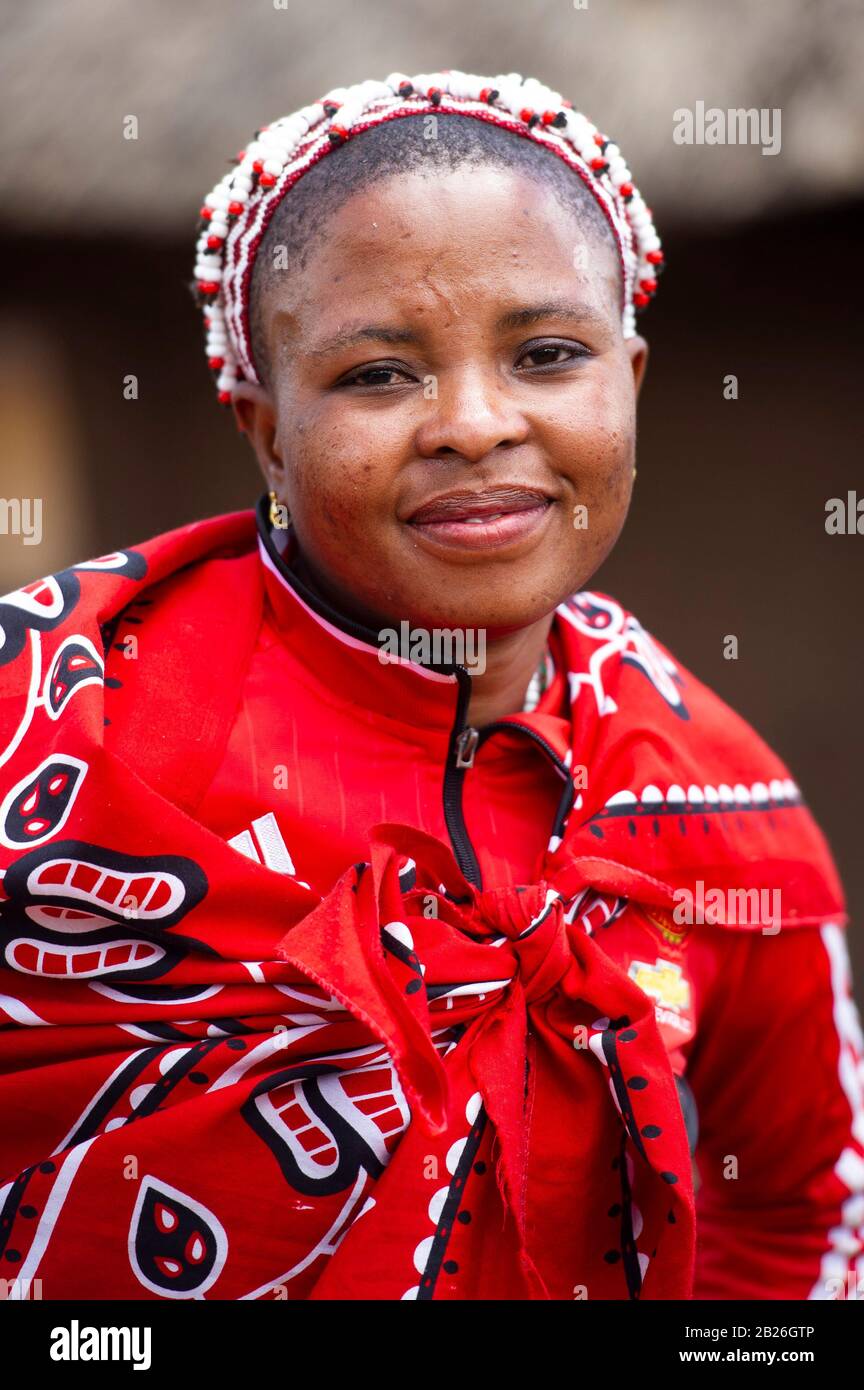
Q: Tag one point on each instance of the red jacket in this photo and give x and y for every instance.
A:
(527, 895)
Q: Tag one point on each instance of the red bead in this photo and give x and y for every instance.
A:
(649, 286)
(267, 180)
(484, 93)
(626, 190)
(235, 209)
(599, 139)
(548, 117)
(640, 300)
(258, 166)
(655, 257)
(208, 287)
(215, 363)
(526, 113)
(214, 242)
(224, 397)
(598, 165)
(206, 213)
(339, 130)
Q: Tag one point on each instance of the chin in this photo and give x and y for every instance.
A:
(477, 612)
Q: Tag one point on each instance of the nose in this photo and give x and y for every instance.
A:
(469, 414)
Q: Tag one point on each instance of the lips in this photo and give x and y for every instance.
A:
(478, 507)
(493, 519)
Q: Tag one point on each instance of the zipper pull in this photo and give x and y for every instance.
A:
(466, 747)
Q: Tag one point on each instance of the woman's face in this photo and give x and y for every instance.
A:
(450, 389)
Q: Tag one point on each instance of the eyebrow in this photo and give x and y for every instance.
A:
(514, 318)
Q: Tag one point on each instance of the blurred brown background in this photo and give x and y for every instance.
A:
(727, 533)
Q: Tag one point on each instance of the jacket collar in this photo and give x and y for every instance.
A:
(346, 656)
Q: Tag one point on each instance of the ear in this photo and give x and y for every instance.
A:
(256, 418)
(637, 351)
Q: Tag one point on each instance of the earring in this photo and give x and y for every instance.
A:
(280, 517)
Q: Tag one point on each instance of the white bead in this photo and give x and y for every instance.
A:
(288, 143)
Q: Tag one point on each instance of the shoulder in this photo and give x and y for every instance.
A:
(677, 782)
(629, 671)
(90, 593)
(58, 632)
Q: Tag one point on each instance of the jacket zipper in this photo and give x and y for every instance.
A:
(465, 741)
(568, 794)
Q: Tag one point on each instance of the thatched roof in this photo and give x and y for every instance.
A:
(201, 76)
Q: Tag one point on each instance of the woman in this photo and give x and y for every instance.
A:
(384, 915)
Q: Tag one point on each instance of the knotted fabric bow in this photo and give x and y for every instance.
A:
(560, 1046)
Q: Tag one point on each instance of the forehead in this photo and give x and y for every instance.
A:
(464, 240)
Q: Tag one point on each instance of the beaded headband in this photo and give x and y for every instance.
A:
(236, 213)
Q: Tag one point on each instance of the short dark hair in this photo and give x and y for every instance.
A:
(395, 147)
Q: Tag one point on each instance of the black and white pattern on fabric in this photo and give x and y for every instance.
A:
(623, 636)
(45, 603)
(38, 806)
(325, 1125)
(65, 902)
(76, 664)
(37, 607)
(177, 1246)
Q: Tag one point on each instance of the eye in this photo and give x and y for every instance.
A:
(373, 376)
(546, 352)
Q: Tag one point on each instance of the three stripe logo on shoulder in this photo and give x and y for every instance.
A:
(263, 842)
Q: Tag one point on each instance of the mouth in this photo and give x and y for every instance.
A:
(493, 519)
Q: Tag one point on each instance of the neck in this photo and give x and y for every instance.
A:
(511, 661)
(510, 658)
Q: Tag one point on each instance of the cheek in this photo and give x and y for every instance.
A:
(595, 444)
(330, 479)
(596, 448)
